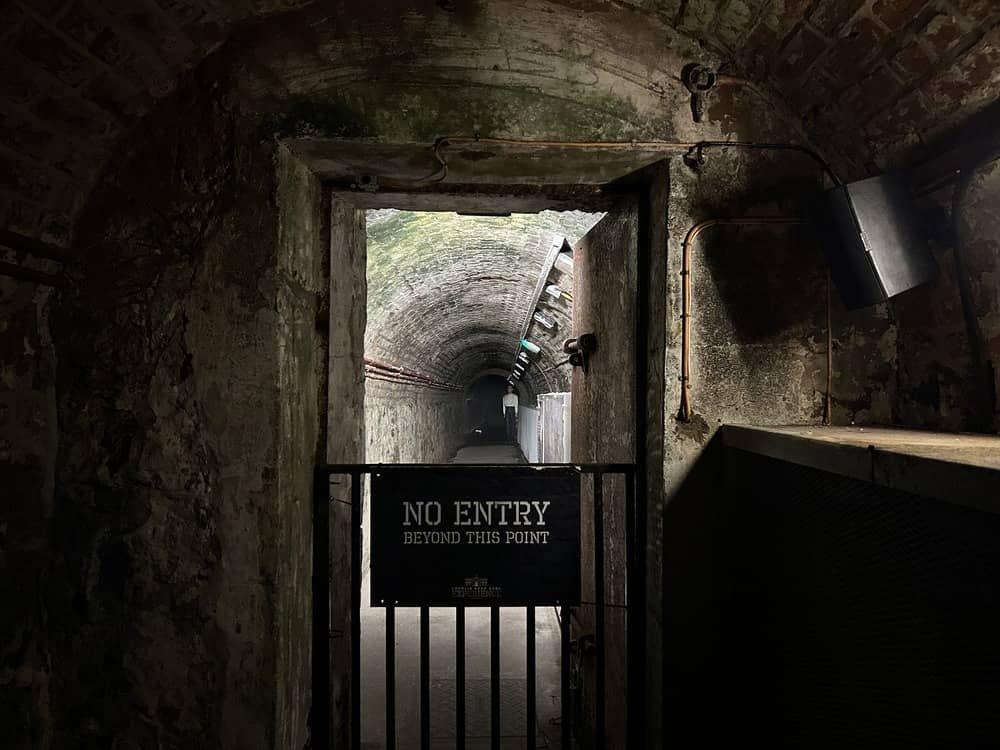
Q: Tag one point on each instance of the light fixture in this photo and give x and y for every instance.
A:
(533, 348)
(554, 290)
(546, 320)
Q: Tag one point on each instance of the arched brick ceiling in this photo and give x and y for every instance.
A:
(872, 80)
(448, 294)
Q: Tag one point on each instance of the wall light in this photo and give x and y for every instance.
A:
(533, 348)
(546, 320)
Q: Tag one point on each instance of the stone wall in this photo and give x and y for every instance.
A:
(758, 356)
(949, 342)
(189, 363)
(302, 336)
(345, 400)
(412, 424)
(164, 555)
(28, 444)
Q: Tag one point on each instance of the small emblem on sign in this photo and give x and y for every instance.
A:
(476, 587)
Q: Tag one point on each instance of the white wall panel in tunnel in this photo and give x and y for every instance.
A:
(527, 427)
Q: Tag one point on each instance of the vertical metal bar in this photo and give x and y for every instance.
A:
(599, 635)
(530, 669)
(647, 402)
(634, 669)
(320, 729)
(636, 640)
(390, 677)
(565, 720)
(356, 610)
(495, 678)
(425, 678)
(460, 678)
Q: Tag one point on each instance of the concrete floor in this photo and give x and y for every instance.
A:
(477, 665)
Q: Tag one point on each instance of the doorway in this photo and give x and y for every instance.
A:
(484, 420)
(446, 382)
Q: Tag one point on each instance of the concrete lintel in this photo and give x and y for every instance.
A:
(527, 199)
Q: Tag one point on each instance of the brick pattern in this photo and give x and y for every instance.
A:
(448, 294)
(896, 72)
(873, 78)
(75, 75)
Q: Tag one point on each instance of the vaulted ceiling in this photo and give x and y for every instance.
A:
(448, 295)
(870, 81)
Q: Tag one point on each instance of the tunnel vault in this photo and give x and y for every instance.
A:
(448, 294)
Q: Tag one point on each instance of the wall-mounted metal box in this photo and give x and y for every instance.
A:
(874, 240)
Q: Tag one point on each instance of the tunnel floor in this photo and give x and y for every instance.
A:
(513, 671)
(503, 453)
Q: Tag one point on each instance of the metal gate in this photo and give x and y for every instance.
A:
(634, 606)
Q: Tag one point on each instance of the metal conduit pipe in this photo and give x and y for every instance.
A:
(685, 410)
(402, 379)
(375, 366)
(379, 375)
(375, 375)
(378, 364)
(692, 147)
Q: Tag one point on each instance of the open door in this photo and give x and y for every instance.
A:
(605, 294)
(604, 303)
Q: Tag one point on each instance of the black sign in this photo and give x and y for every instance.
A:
(475, 536)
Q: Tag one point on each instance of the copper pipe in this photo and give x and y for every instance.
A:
(757, 146)
(641, 145)
(724, 80)
(394, 368)
(373, 374)
(684, 412)
(401, 380)
(403, 372)
(445, 141)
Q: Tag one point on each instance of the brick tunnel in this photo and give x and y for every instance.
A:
(745, 249)
(450, 298)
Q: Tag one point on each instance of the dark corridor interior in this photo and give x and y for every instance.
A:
(240, 239)
(484, 411)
